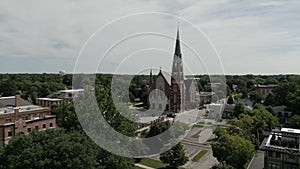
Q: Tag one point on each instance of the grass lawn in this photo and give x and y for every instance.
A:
(152, 163)
(199, 155)
(200, 124)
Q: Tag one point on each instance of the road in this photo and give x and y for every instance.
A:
(192, 148)
(258, 161)
(195, 140)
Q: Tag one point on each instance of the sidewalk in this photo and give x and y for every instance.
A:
(143, 166)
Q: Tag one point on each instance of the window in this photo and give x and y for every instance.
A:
(25, 117)
(51, 125)
(273, 154)
(36, 116)
(44, 126)
(291, 156)
(291, 167)
(273, 166)
(8, 120)
(36, 127)
(29, 130)
(9, 134)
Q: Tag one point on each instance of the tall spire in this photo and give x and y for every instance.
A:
(177, 80)
(177, 45)
(151, 77)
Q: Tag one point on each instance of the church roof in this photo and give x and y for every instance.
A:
(166, 76)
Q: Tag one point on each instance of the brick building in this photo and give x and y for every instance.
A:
(282, 149)
(19, 118)
(49, 102)
(59, 98)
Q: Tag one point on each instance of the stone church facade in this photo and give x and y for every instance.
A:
(174, 93)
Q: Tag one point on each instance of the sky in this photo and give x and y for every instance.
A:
(227, 36)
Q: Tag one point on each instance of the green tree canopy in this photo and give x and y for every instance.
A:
(294, 122)
(234, 150)
(58, 149)
(223, 165)
(238, 109)
(175, 157)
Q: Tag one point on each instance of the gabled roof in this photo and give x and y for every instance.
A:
(165, 76)
(11, 101)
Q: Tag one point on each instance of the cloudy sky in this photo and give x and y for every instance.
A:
(257, 36)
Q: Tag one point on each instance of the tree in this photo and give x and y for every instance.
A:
(238, 109)
(271, 110)
(56, 148)
(293, 101)
(253, 123)
(220, 131)
(234, 150)
(66, 116)
(158, 128)
(256, 96)
(175, 157)
(280, 93)
(237, 96)
(264, 120)
(269, 100)
(222, 165)
(294, 122)
(230, 100)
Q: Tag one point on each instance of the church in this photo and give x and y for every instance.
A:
(173, 93)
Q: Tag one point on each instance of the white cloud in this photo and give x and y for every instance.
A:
(251, 32)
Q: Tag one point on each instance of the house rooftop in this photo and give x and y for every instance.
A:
(286, 141)
(66, 94)
(290, 130)
(49, 99)
(8, 110)
(11, 101)
(266, 86)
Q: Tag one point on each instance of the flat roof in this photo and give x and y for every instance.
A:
(71, 90)
(8, 110)
(49, 99)
(290, 130)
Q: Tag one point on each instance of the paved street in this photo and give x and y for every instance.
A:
(258, 161)
(188, 117)
(206, 162)
(195, 140)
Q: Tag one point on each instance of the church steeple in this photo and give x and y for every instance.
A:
(177, 45)
(151, 77)
(177, 80)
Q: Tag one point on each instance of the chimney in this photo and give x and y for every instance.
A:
(17, 100)
(16, 110)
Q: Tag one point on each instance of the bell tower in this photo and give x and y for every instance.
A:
(177, 80)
